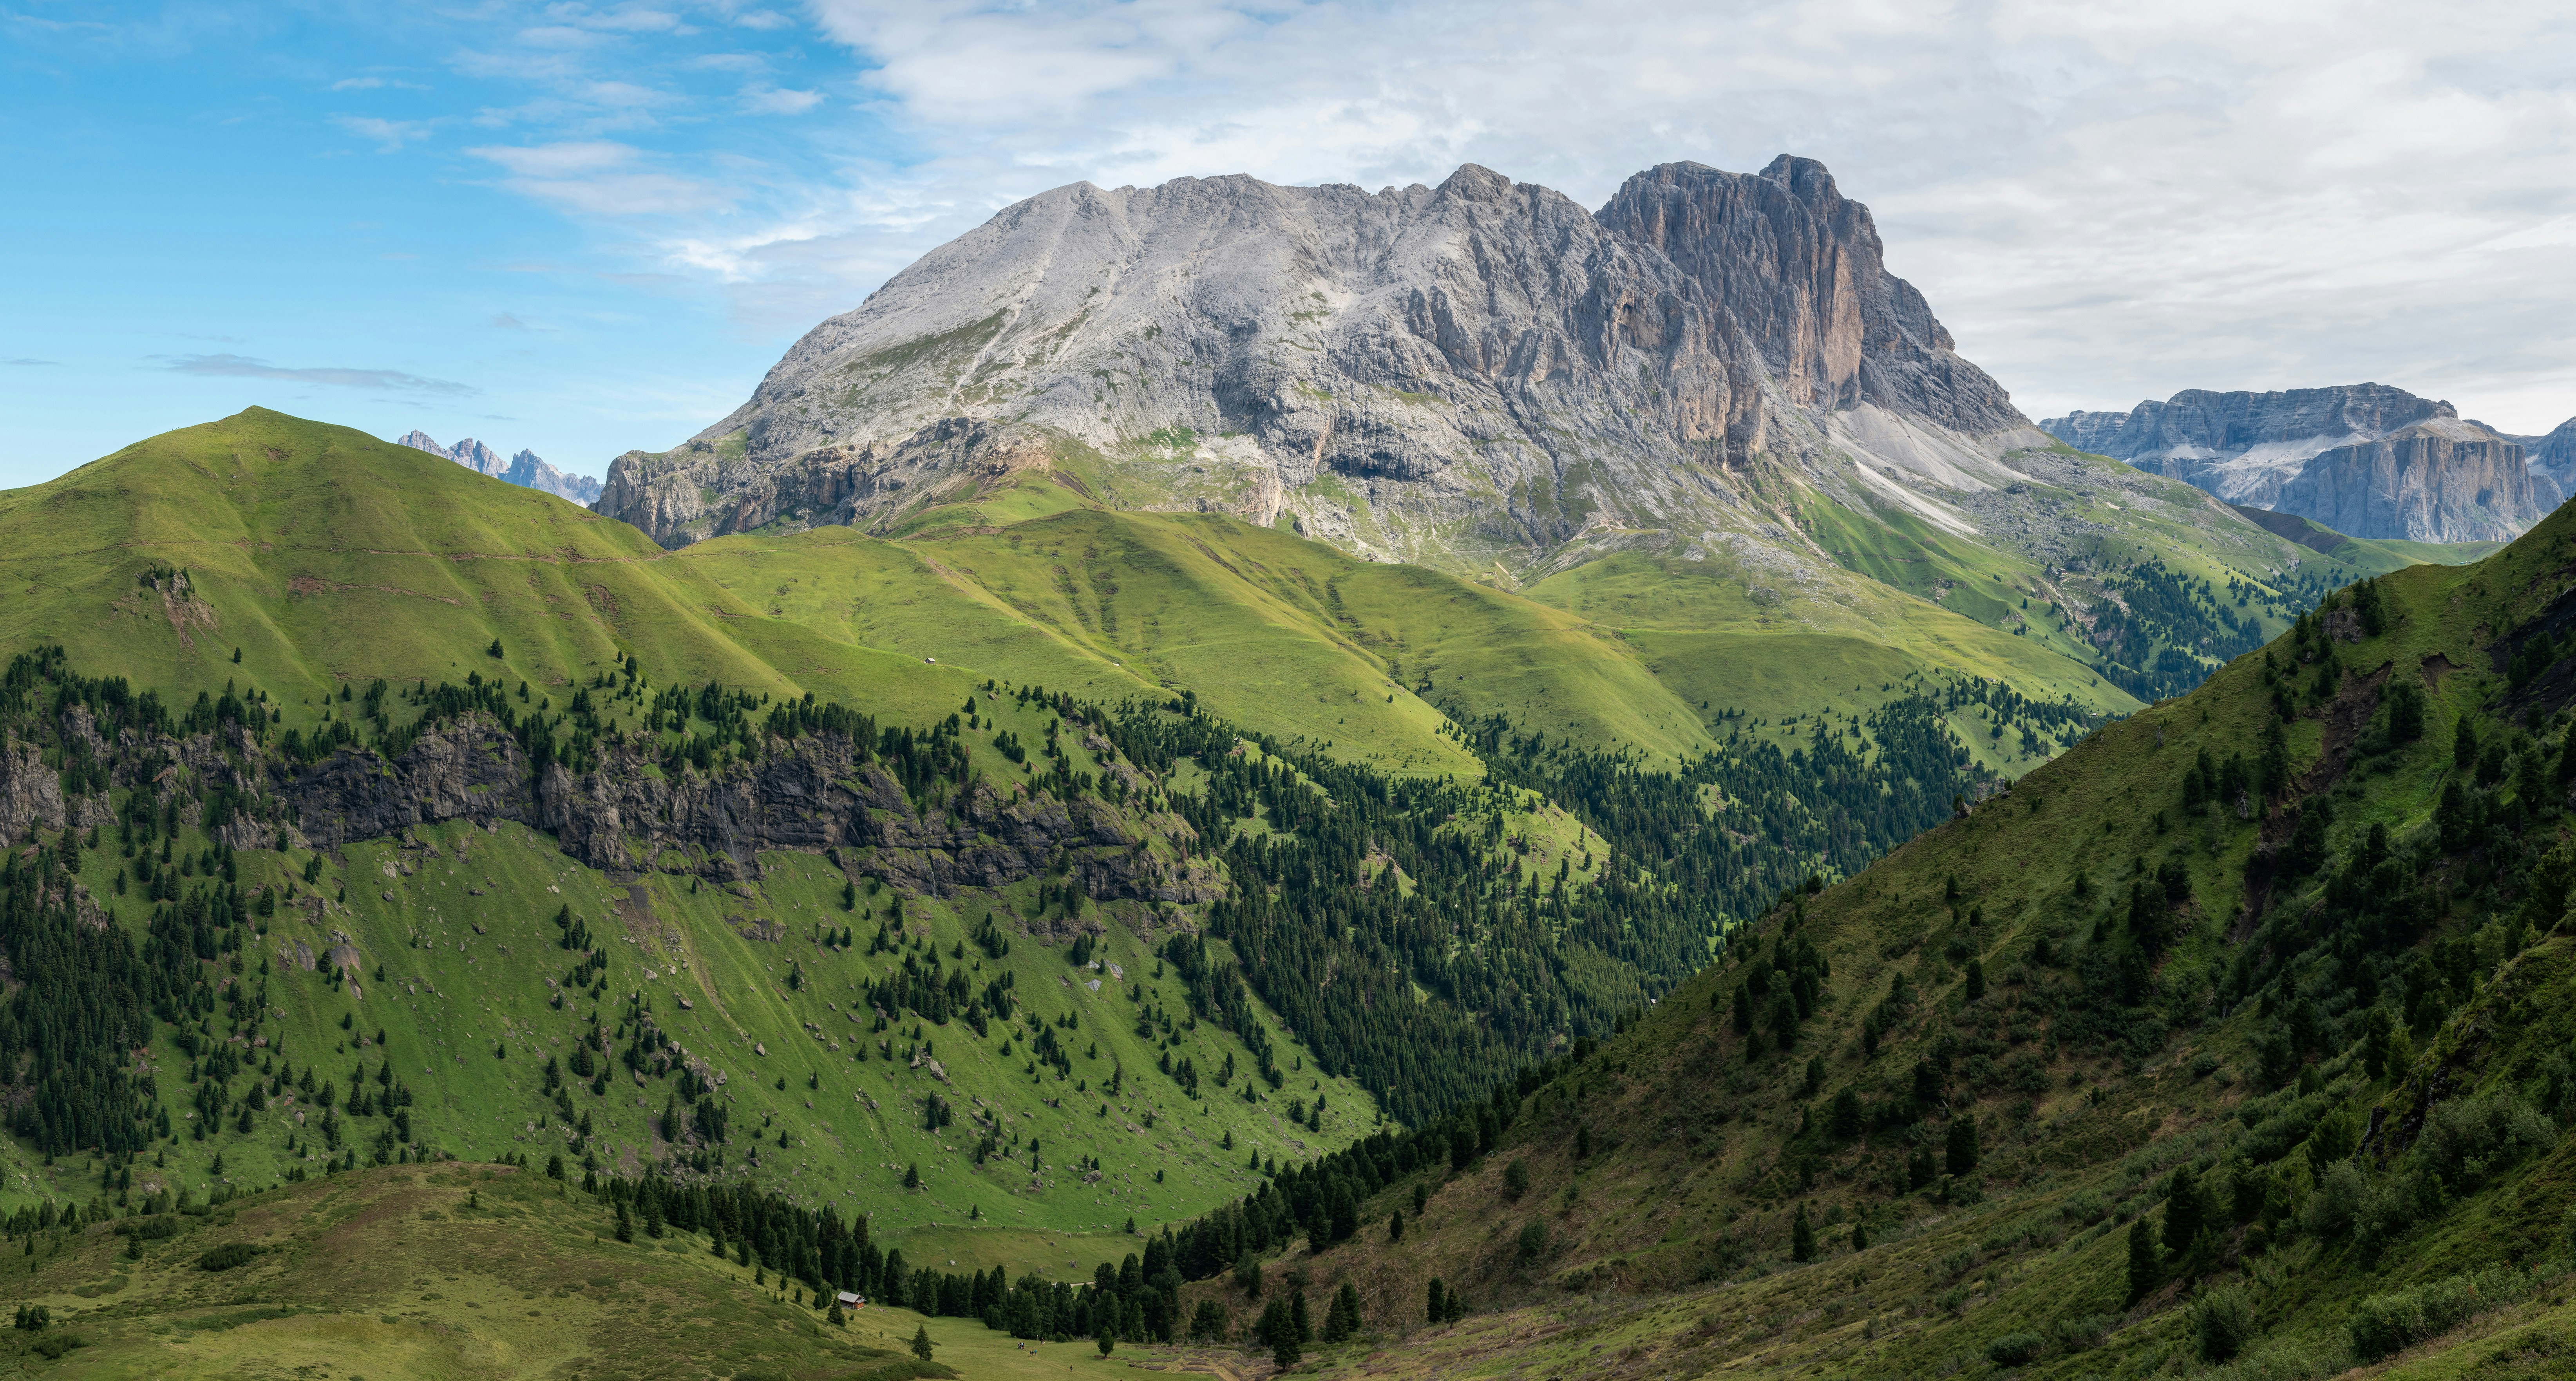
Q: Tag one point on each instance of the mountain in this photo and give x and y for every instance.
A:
(2554, 454)
(2442, 480)
(472, 782)
(1475, 372)
(2366, 459)
(2230, 1043)
(525, 469)
(1706, 415)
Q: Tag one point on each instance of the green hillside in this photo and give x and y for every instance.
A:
(2231, 1042)
(1156, 853)
(458, 1271)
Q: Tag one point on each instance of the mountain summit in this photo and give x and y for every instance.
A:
(2365, 459)
(526, 469)
(1467, 374)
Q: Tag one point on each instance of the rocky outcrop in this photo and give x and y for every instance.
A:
(814, 795)
(2554, 454)
(2368, 454)
(31, 793)
(1484, 364)
(526, 469)
(2438, 481)
(2243, 446)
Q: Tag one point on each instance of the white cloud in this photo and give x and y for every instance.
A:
(765, 100)
(2103, 202)
(602, 178)
(243, 367)
(389, 136)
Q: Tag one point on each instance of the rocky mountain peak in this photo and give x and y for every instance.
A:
(1417, 372)
(2370, 460)
(524, 469)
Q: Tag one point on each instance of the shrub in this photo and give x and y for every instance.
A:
(1515, 1179)
(2016, 1349)
(2222, 1323)
(2385, 1324)
(2337, 1202)
(2467, 1139)
(52, 1346)
(1533, 1241)
(227, 1256)
(2082, 1333)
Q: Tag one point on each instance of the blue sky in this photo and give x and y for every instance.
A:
(583, 228)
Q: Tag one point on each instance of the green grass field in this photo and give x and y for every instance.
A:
(464, 1271)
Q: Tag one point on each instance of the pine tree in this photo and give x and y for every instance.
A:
(921, 1342)
(1395, 1226)
(1962, 1150)
(2182, 1211)
(625, 1223)
(1436, 1309)
(2144, 1270)
(1802, 1237)
(1342, 1319)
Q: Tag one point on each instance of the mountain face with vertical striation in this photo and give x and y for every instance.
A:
(1477, 373)
(525, 469)
(2368, 460)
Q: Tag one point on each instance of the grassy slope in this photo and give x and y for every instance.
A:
(1687, 1185)
(466, 975)
(456, 1272)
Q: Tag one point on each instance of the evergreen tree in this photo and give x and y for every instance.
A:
(2145, 1271)
(2183, 1215)
(1962, 1148)
(1436, 1309)
(625, 1223)
(921, 1342)
(1342, 1319)
(1802, 1237)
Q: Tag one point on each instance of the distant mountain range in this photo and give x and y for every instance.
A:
(2367, 460)
(525, 469)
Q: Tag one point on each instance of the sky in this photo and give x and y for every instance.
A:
(587, 228)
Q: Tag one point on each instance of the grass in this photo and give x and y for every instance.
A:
(466, 976)
(456, 1271)
(1669, 1244)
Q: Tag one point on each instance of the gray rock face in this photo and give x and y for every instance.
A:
(31, 793)
(525, 469)
(2443, 480)
(2243, 446)
(2554, 454)
(813, 795)
(1421, 373)
(2272, 450)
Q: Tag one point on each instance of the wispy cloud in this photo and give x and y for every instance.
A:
(767, 100)
(603, 178)
(389, 136)
(29, 364)
(244, 367)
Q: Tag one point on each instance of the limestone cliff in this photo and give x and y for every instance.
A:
(1478, 370)
(2331, 454)
(2442, 480)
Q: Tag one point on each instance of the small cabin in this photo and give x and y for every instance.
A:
(851, 1301)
